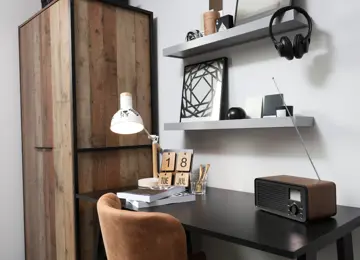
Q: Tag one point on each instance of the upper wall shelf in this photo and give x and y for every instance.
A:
(271, 122)
(241, 34)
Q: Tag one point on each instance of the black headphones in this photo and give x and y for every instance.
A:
(301, 44)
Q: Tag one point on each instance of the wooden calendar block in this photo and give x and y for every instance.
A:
(168, 162)
(165, 179)
(184, 162)
(182, 179)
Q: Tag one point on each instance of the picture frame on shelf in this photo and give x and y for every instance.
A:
(249, 10)
(204, 91)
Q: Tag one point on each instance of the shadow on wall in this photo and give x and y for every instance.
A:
(322, 64)
(257, 142)
(241, 55)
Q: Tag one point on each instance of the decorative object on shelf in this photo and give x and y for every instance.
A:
(284, 111)
(301, 44)
(224, 23)
(44, 3)
(202, 94)
(198, 181)
(127, 121)
(250, 10)
(236, 113)
(216, 5)
(210, 18)
(193, 35)
(270, 103)
(253, 106)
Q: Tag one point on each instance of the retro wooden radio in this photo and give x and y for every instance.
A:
(300, 199)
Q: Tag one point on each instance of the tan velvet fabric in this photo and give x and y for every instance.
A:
(139, 236)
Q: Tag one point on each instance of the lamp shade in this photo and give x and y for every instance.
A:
(126, 121)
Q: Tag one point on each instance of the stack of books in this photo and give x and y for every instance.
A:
(146, 198)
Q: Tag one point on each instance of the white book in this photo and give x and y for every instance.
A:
(177, 198)
(149, 195)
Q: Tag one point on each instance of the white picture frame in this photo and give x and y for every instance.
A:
(251, 10)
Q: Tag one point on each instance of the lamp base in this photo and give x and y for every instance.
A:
(148, 182)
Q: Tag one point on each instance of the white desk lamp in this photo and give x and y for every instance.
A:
(128, 121)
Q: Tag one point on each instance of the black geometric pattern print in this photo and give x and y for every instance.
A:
(201, 81)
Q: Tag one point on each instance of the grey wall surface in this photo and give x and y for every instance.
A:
(324, 84)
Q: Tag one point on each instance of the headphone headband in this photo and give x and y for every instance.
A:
(282, 11)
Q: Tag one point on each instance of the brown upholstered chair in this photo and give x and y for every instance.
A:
(140, 236)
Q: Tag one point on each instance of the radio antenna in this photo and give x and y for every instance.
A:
(297, 129)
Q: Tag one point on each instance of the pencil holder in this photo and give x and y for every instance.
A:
(197, 184)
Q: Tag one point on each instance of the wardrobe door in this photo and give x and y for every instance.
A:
(112, 55)
(46, 106)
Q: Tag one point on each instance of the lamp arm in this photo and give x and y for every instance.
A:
(155, 150)
(153, 138)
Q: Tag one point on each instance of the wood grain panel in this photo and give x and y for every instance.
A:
(97, 73)
(29, 124)
(28, 140)
(63, 141)
(46, 84)
(126, 67)
(82, 69)
(107, 64)
(143, 79)
(106, 170)
(47, 122)
(111, 90)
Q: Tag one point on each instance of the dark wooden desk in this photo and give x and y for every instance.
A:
(232, 216)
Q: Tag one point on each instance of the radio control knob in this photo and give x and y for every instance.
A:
(294, 209)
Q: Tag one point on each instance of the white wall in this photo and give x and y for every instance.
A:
(324, 84)
(12, 14)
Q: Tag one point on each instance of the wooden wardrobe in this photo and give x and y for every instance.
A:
(76, 57)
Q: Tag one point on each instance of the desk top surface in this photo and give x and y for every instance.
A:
(233, 217)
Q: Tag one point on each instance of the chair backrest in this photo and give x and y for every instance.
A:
(137, 235)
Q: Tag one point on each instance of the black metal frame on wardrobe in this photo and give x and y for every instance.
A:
(154, 103)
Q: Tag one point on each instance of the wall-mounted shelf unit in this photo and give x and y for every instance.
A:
(241, 34)
(271, 122)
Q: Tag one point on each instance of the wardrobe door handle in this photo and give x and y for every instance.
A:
(44, 148)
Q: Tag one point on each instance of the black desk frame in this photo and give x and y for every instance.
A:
(347, 221)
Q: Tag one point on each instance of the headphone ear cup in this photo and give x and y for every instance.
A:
(286, 49)
(298, 46)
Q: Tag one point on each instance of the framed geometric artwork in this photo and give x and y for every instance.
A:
(204, 89)
(250, 10)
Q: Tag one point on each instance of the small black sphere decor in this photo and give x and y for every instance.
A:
(236, 113)
(44, 3)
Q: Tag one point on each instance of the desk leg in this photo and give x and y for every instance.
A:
(188, 242)
(345, 249)
(308, 256)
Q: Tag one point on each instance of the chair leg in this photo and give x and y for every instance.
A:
(96, 241)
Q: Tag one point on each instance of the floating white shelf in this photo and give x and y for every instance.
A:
(241, 34)
(272, 122)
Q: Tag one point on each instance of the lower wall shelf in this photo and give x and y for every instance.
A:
(273, 122)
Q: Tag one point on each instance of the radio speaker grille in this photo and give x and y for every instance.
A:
(272, 196)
